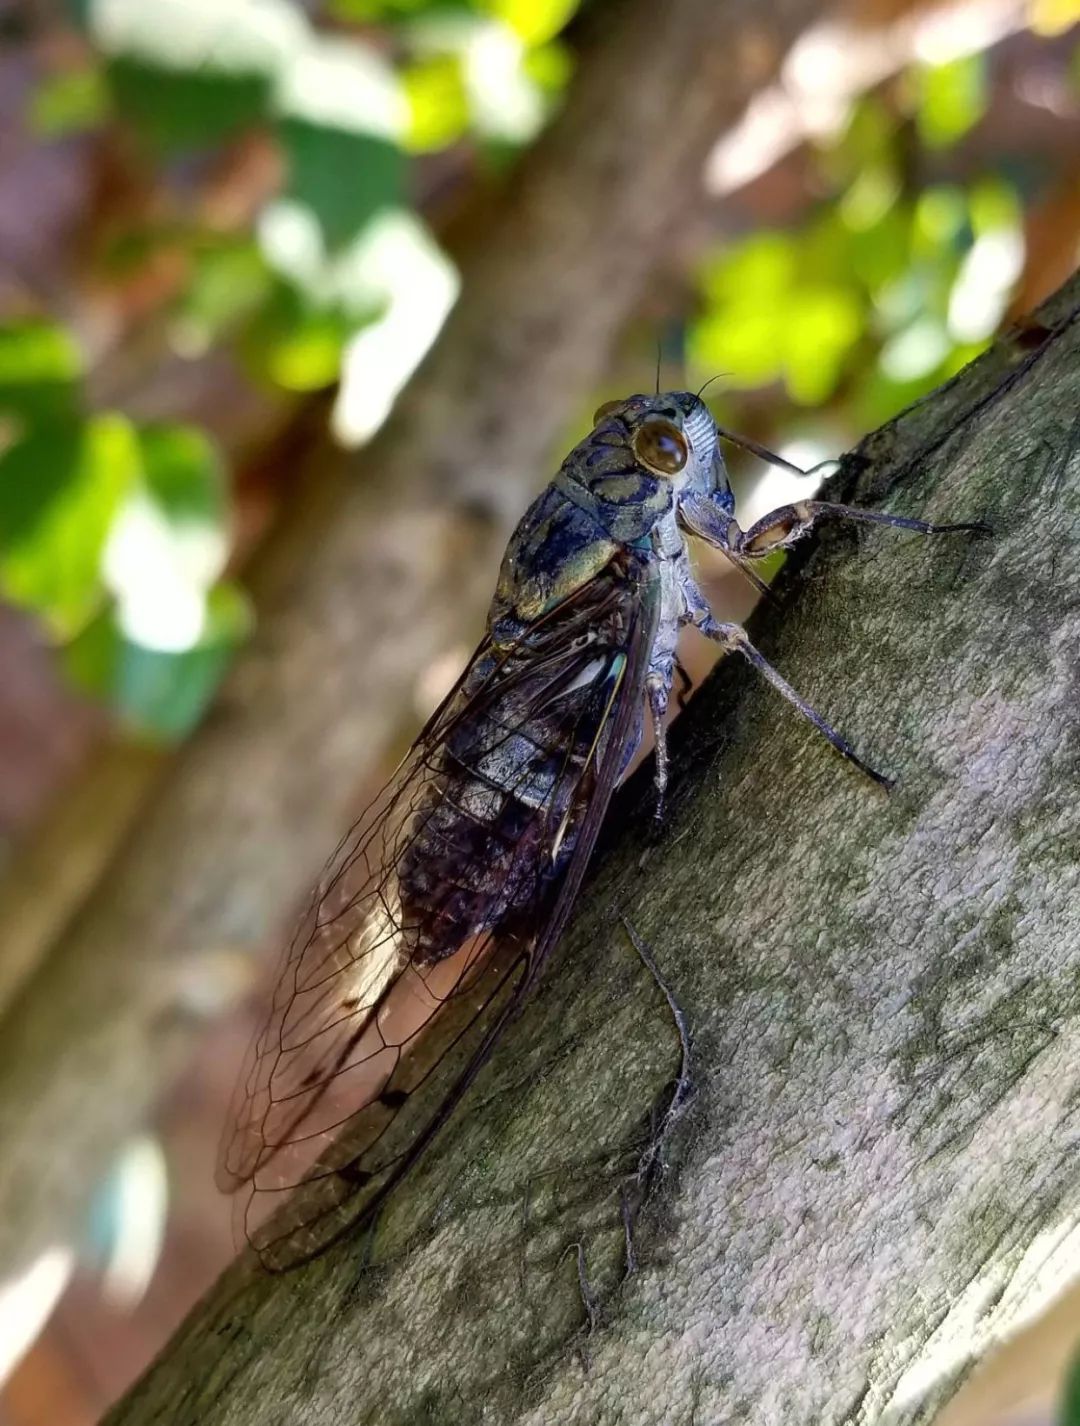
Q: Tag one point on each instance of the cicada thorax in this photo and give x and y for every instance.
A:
(498, 821)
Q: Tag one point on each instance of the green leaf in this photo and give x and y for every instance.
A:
(91, 657)
(534, 21)
(344, 177)
(777, 308)
(165, 694)
(69, 103)
(870, 198)
(759, 269)
(994, 204)
(184, 475)
(1050, 18)
(746, 290)
(308, 358)
(549, 66)
(822, 324)
(882, 253)
(229, 280)
(438, 102)
(880, 397)
(60, 488)
(940, 220)
(916, 351)
(160, 693)
(40, 367)
(168, 543)
(298, 344)
(744, 343)
(176, 109)
(365, 12)
(867, 141)
(951, 99)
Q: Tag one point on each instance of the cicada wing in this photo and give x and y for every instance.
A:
(377, 1026)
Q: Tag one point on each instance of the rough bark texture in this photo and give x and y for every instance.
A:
(374, 579)
(876, 1172)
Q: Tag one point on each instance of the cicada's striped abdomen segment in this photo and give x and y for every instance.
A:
(499, 818)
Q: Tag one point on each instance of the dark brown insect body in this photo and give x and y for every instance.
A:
(438, 910)
(522, 764)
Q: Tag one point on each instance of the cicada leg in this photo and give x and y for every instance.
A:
(733, 637)
(778, 530)
(657, 688)
(782, 527)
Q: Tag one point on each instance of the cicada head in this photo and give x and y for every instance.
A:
(643, 455)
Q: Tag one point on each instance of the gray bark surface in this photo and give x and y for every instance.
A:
(877, 1170)
(387, 566)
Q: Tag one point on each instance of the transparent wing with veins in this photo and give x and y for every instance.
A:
(432, 920)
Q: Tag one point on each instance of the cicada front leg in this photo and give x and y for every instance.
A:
(782, 527)
(714, 523)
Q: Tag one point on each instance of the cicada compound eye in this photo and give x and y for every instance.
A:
(661, 447)
(605, 410)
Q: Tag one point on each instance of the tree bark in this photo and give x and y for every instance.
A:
(875, 1174)
(373, 580)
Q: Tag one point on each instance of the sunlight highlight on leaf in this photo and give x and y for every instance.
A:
(534, 21)
(438, 101)
(419, 285)
(132, 1208)
(27, 1302)
(915, 351)
(167, 544)
(339, 84)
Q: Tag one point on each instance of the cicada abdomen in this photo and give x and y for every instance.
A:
(499, 820)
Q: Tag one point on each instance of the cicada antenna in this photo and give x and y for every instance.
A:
(710, 381)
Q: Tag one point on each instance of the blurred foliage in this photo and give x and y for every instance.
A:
(40, 368)
(950, 99)
(893, 284)
(117, 535)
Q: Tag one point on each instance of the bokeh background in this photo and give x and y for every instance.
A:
(229, 232)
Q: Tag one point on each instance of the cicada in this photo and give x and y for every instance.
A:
(436, 914)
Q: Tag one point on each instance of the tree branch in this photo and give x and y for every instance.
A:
(372, 580)
(878, 1164)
